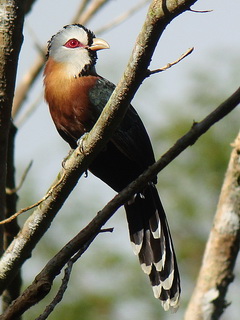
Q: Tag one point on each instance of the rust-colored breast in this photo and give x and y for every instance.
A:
(68, 99)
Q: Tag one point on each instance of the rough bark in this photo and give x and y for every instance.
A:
(11, 22)
(208, 299)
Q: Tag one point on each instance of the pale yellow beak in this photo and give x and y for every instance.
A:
(99, 44)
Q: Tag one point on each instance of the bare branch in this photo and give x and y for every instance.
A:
(58, 298)
(49, 309)
(14, 190)
(32, 206)
(43, 281)
(200, 11)
(120, 19)
(89, 11)
(26, 83)
(11, 24)
(29, 110)
(170, 64)
(11, 21)
(12, 229)
(82, 7)
(216, 273)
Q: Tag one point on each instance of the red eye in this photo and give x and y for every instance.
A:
(73, 43)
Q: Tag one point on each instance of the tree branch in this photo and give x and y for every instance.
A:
(11, 24)
(121, 18)
(216, 273)
(67, 273)
(170, 64)
(11, 229)
(11, 21)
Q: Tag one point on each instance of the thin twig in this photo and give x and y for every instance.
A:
(36, 42)
(58, 298)
(81, 9)
(29, 110)
(200, 11)
(90, 11)
(67, 273)
(25, 173)
(15, 215)
(170, 64)
(121, 18)
(26, 83)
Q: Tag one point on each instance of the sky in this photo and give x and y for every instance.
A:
(215, 33)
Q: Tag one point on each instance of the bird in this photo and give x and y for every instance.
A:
(76, 95)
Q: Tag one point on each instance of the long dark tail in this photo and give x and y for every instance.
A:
(152, 242)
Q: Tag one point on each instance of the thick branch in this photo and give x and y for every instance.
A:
(11, 21)
(11, 24)
(43, 282)
(208, 299)
(11, 229)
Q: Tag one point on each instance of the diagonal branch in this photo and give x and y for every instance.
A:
(43, 282)
(121, 18)
(216, 273)
(159, 16)
(170, 64)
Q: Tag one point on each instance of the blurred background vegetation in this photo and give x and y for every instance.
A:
(107, 282)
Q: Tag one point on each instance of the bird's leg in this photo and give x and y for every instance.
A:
(80, 148)
(131, 201)
(140, 193)
(80, 143)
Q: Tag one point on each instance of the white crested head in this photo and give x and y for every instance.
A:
(75, 46)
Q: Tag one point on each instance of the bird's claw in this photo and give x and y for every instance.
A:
(80, 143)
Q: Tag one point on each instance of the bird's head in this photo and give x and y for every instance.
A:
(75, 47)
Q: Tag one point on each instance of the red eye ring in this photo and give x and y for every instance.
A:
(73, 43)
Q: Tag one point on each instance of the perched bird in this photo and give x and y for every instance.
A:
(76, 95)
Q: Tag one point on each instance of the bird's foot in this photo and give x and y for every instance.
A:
(80, 144)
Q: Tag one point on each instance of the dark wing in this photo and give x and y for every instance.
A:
(131, 137)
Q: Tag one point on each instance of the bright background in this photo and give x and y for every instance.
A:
(108, 276)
